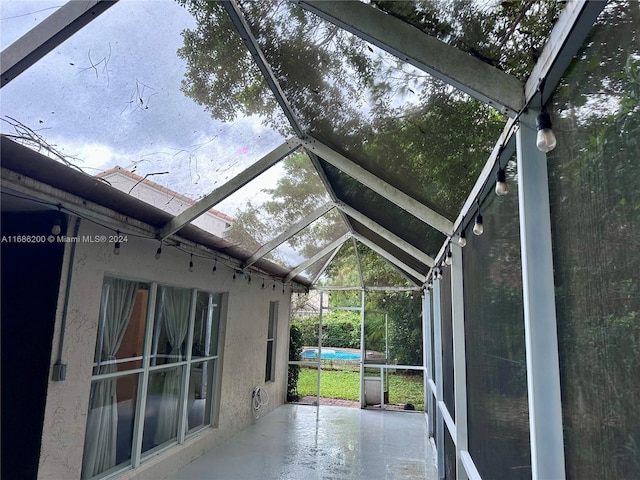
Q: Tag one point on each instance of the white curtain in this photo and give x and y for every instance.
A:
(175, 310)
(118, 299)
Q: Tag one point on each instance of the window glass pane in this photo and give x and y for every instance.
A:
(200, 395)
(109, 430)
(497, 405)
(171, 325)
(269, 372)
(121, 325)
(206, 326)
(595, 219)
(161, 413)
(271, 342)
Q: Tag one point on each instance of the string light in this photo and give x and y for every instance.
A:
(501, 182)
(159, 251)
(116, 247)
(448, 259)
(57, 225)
(545, 139)
(215, 265)
(478, 228)
(462, 239)
(274, 285)
(263, 284)
(191, 262)
(438, 274)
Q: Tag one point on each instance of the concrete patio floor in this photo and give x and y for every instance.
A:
(345, 443)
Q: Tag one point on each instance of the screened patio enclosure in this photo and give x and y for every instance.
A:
(355, 146)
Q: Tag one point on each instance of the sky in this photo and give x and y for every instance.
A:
(110, 95)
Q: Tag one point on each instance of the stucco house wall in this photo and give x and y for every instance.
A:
(243, 359)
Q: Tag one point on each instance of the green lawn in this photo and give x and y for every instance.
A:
(345, 384)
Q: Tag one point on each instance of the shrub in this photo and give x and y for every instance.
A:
(295, 349)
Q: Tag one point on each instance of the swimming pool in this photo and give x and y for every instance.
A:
(331, 354)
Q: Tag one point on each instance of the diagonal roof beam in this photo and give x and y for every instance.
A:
(326, 265)
(243, 28)
(336, 244)
(455, 67)
(395, 261)
(387, 235)
(388, 191)
(287, 234)
(222, 192)
(47, 35)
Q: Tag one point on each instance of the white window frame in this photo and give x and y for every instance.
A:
(137, 456)
(272, 325)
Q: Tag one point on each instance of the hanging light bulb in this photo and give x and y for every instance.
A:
(501, 182)
(249, 278)
(478, 228)
(57, 226)
(449, 258)
(274, 285)
(263, 284)
(215, 265)
(234, 274)
(462, 239)
(546, 139)
(159, 252)
(191, 263)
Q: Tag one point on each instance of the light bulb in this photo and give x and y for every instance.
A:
(462, 239)
(546, 140)
(478, 228)
(215, 265)
(501, 183)
(57, 226)
(191, 263)
(116, 248)
(158, 253)
(448, 259)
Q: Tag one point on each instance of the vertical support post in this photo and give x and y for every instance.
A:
(541, 339)
(319, 356)
(437, 347)
(426, 359)
(459, 359)
(363, 351)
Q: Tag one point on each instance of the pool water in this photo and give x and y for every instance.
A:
(331, 354)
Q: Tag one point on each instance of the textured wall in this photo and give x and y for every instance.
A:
(243, 356)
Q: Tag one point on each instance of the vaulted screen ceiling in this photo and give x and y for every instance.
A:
(309, 123)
